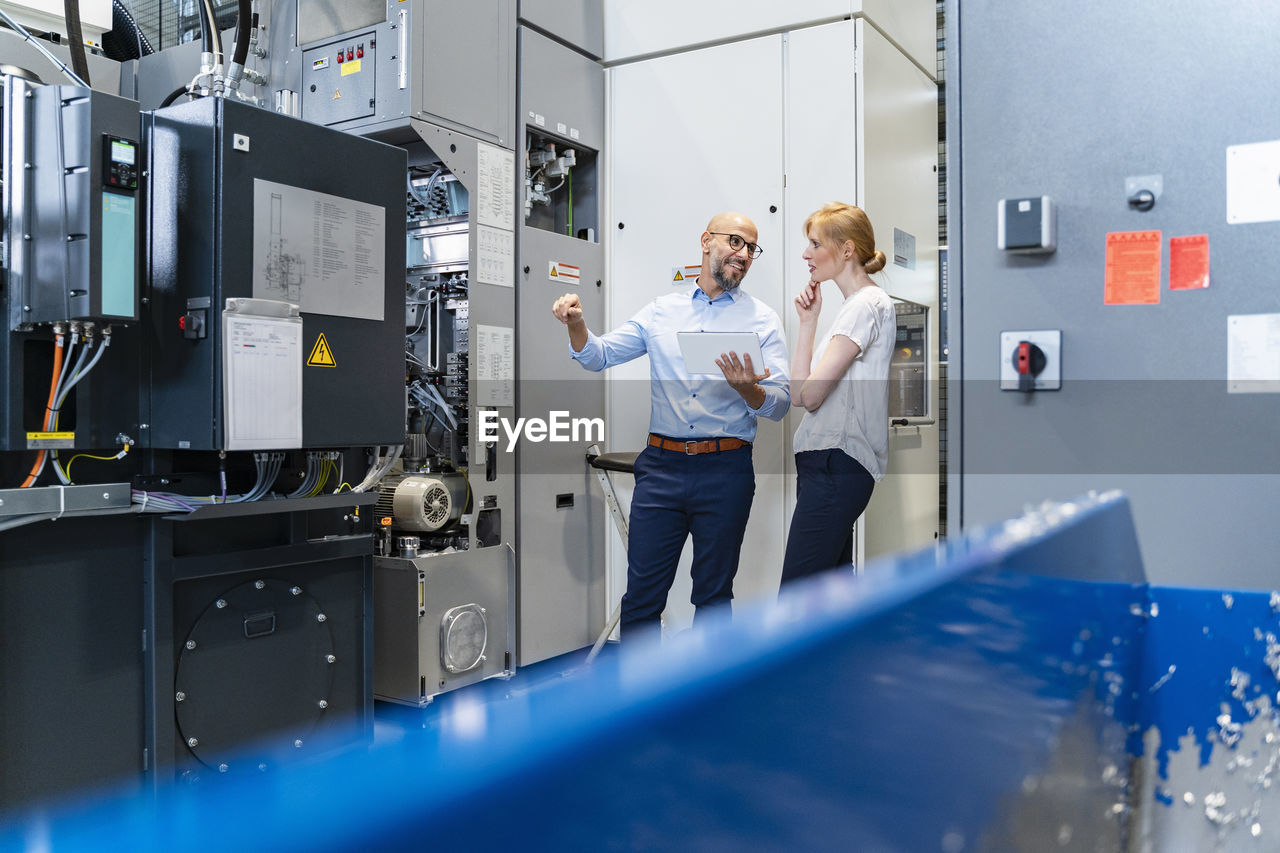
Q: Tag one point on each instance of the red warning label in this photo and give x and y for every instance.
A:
(1133, 268)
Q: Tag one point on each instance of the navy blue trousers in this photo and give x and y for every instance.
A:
(707, 495)
(832, 490)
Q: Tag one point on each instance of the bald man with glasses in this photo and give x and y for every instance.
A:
(695, 476)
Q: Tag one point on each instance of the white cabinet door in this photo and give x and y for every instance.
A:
(899, 190)
(692, 135)
(821, 132)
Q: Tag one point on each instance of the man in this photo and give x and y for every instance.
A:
(695, 475)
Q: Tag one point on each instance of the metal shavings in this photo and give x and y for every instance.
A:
(1163, 679)
(1272, 656)
(1239, 683)
(1213, 808)
(1228, 730)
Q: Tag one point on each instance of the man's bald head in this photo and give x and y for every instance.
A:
(734, 223)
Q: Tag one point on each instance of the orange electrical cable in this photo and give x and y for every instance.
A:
(48, 410)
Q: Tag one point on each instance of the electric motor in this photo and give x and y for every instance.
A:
(426, 503)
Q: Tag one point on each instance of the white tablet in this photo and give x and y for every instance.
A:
(701, 349)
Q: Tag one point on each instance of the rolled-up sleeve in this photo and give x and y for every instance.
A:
(777, 394)
(621, 345)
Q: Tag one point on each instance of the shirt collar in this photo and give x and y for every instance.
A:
(731, 295)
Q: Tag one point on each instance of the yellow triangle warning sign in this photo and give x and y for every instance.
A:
(678, 277)
(553, 271)
(337, 94)
(321, 355)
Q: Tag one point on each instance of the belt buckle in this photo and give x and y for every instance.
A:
(688, 448)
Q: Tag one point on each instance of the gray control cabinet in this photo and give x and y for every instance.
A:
(341, 79)
(72, 241)
(448, 62)
(72, 205)
(219, 232)
(562, 516)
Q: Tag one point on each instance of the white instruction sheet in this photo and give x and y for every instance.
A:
(493, 348)
(496, 196)
(322, 252)
(495, 256)
(262, 381)
(1253, 354)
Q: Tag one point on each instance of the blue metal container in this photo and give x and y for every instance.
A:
(1021, 688)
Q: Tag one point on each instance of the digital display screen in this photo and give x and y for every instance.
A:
(123, 152)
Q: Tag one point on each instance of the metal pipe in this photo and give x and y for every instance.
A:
(62, 66)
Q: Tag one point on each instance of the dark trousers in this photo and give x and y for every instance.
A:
(832, 490)
(707, 495)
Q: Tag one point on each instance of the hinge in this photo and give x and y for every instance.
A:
(144, 639)
(146, 759)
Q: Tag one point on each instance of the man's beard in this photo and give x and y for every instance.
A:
(721, 276)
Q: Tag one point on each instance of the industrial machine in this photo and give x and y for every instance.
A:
(484, 186)
(204, 370)
(250, 383)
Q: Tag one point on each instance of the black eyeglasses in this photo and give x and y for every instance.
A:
(736, 242)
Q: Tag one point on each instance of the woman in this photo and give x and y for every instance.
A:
(842, 444)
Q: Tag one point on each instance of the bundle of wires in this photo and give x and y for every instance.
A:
(60, 387)
(320, 464)
(382, 465)
(80, 371)
(268, 465)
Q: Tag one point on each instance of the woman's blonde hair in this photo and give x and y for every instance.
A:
(837, 223)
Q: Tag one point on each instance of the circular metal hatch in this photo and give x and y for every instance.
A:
(464, 635)
(254, 676)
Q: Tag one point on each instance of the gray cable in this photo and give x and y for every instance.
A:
(62, 66)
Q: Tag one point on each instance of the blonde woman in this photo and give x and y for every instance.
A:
(842, 445)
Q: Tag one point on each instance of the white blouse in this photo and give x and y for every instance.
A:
(855, 415)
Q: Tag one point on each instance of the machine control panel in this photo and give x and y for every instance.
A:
(120, 163)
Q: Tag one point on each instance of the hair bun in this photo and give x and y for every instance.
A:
(876, 263)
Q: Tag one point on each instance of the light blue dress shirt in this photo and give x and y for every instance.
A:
(684, 406)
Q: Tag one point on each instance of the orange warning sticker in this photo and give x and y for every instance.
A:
(1189, 262)
(560, 271)
(1133, 268)
(321, 355)
(686, 274)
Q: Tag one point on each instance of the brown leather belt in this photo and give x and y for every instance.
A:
(692, 448)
